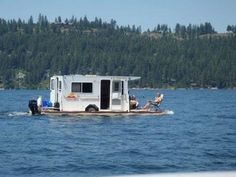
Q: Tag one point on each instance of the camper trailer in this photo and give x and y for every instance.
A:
(90, 93)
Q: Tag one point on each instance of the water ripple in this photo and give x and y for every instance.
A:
(197, 135)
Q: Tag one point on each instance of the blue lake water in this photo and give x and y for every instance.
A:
(199, 136)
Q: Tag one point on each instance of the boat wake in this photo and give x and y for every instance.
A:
(15, 114)
(169, 112)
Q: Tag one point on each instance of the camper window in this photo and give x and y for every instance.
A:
(116, 86)
(82, 87)
(60, 85)
(52, 84)
(76, 87)
(87, 88)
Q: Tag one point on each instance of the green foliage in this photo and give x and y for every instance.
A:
(231, 28)
(191, 56)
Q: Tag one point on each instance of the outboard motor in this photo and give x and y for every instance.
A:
(33, 107)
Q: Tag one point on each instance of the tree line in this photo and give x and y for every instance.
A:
(188, 56)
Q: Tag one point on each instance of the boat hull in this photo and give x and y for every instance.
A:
(102, 113)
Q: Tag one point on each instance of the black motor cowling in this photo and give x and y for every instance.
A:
(33, 107)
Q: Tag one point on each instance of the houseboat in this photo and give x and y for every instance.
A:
(88, 95)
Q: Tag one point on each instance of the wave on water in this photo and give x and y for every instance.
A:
(15, 113)
(169, 112)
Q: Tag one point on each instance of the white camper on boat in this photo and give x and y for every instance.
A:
(90, 93)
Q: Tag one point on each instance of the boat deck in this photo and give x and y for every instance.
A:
(101, 113)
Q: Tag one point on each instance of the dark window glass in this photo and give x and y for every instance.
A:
(59, 85)
(76, 87)
(82, 87)
(52, 84)
(87, 88)
(116, 87)
(122, 88)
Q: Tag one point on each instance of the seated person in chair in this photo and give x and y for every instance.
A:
(157, 101)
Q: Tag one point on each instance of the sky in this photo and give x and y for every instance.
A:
(144, 13)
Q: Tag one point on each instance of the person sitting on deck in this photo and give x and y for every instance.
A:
(157, 101)
(133, 102)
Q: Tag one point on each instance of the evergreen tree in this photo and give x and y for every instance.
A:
(190, 56)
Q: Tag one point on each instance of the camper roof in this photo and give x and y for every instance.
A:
(129, 78)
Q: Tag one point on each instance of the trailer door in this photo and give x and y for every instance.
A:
(105, 94)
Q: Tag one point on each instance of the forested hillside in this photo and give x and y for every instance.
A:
(187, 56)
